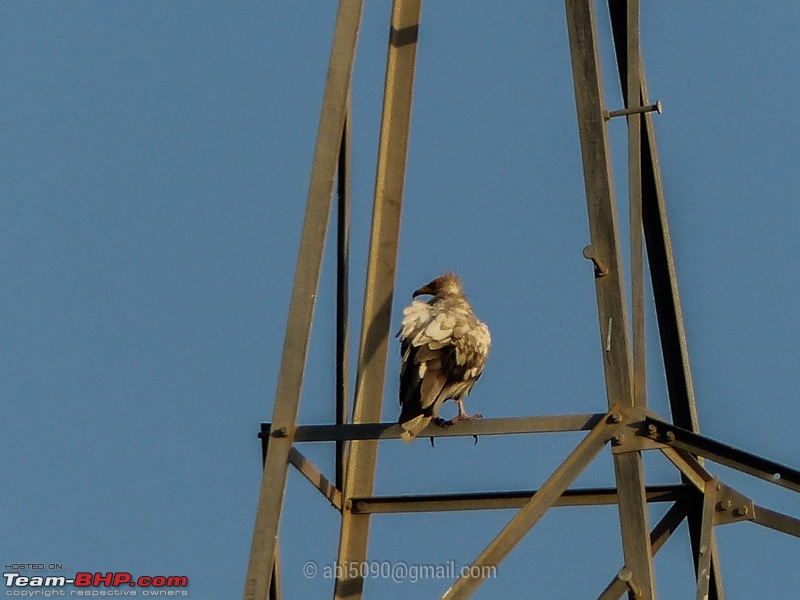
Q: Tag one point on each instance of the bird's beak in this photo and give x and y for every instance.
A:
(425, 289)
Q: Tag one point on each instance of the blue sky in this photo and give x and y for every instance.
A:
(154, 163)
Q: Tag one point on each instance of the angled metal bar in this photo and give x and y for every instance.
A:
(391, 431)
(704, 551)
(304, 293)
(715, 581)
(342, 289)
(529, 515)
(635, 209)
(724, 454)
(275, 588)
(658, 537)
(382, 262)
(697, 541)
(634, 522)
(691, 470)
(504, 500)
(605, 252)
(275, 581)
(312, 473)
(660, 256)
(777, 521)
(661, 260)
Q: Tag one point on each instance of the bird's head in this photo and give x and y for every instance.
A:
(448, 284)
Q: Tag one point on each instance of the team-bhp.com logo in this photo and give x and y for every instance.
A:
(152, 585)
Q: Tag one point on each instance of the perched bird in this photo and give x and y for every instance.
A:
(444, 348)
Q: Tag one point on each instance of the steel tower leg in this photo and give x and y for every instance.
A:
(605, 252)
(361, 462)
(661, 261)
(304, 293)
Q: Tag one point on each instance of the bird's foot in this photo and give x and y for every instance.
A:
(465, 417)
(442, 422)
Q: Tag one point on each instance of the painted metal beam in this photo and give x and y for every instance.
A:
(703, 553)
(661, 261)
(391, 431)
(313, 474)
(635, 208)
(658, 537)
(529, 515)
(304, 294)
(275, 587)
(724, 454)
(777, 521)
(505, 500)
(381, 266)
(660, 255)
(605, 253)
(343, 290)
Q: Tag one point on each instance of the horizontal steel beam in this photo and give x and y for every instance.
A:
(722, 453)
(391, 431)
(504, 500)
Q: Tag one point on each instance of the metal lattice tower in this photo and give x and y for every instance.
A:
(627, 426)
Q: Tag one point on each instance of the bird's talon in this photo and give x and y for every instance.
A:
(442, 422)
(475, 437)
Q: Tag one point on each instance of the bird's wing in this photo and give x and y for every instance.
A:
(472, 341)
(444, 349)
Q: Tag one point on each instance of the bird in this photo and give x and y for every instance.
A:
(444, 348)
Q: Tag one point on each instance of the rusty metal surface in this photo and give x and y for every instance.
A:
(379, 290)
(304, 293)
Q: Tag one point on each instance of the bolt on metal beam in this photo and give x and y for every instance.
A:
(636, 110)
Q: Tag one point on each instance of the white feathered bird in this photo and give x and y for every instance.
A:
(444, 349)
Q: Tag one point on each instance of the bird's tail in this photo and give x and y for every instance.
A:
(411, 428)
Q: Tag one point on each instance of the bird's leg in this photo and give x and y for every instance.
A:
(462, 414)
(437, 420)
